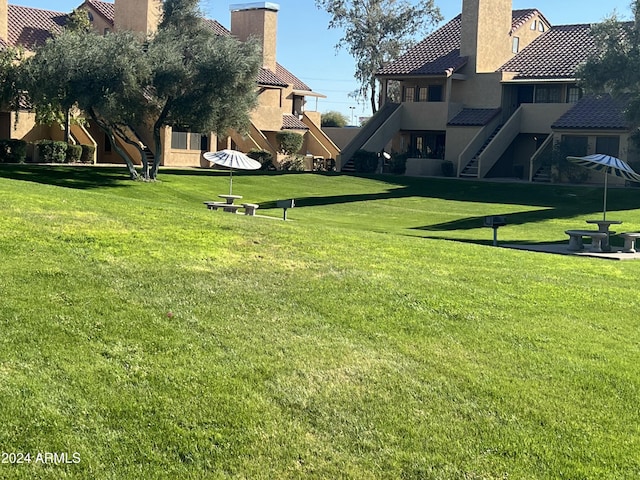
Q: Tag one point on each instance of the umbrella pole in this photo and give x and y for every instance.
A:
(606, 176)
(230, 181)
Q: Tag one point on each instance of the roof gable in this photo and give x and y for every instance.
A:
(105, 9)
(556, 54)
(439, 53)
(31, 27)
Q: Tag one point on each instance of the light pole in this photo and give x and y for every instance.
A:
(352, 110)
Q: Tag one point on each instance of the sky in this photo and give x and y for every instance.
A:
(307, 48)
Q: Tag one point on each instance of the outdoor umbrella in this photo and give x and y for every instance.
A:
(232, 159)
(610, 166)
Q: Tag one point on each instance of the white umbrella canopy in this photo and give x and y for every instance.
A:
(232, 159)
(610, 166)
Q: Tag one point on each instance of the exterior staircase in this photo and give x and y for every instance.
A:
(543, 174)
(372, 130)
(471, 169)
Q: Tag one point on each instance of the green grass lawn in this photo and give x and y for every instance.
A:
(376, 334)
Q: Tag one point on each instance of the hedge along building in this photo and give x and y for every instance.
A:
(492, 91)
(281, 95)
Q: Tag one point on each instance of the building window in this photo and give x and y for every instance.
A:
(540, 26)
(107, 143)
(435, 93)
(533, 25)
(575, 144)
(548, 94)
(423, 94)
(515, 46)
(574, 94)
(608, 145)
(409, 94)
(178, 139)
(184, 140)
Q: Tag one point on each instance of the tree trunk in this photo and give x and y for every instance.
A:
(157, 140)
(374, 103)
(67, 126)
(138, 146)
(109, 131)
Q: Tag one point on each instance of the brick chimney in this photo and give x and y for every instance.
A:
(486, 33)
(142, 16)
(258, 20)
(4, 20)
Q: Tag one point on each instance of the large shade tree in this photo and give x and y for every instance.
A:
(200, 81)
(378, 31)
(183, 76)
(102, 76)
(615, 66)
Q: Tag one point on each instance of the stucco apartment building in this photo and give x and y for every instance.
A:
(491, 91)
(282, 97)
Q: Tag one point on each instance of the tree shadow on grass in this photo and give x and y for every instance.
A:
(80, 177)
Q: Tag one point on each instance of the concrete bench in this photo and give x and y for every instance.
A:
(250, 208)
(575, 239)
(629, 241)
(227, 207)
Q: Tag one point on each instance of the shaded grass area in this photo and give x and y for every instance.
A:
(161, 340)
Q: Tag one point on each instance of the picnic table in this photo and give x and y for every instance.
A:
(230, 198)
(604, 226)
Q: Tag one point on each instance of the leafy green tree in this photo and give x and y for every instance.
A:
(78, 21)
(11, 81)
(615, 67)
(103, 76)
(184, 76)
(289, 142)
(333, 119)
(378, 31)
(200, 81)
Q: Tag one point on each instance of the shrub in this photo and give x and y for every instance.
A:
(289, 142)
(74, 153)
(294, 163)
(52, 151)
(398, 164)
(264, 157)
(13, 151)
(564, 170)
(333, 119)
(87, 153)
(447, 168)
(365, 162)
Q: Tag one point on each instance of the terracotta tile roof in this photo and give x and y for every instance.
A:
(291, 79)
(440, 52)
(106, 9)
(471, 117)
(30, 27)
(556, 54)
(267, 77)
(291, 122)
(433, 55)
(217, 28)
(595, 113)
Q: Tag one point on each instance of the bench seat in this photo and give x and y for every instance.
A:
(250, 208)
(575, 239)
(629, 241)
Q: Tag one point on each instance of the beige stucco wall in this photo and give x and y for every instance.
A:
(479, 91)
(538, 117)
(99, 23)
(261, 24)
(457, 140)
(4, 12)
(426, 115)
(485, 33)
(141, 16)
